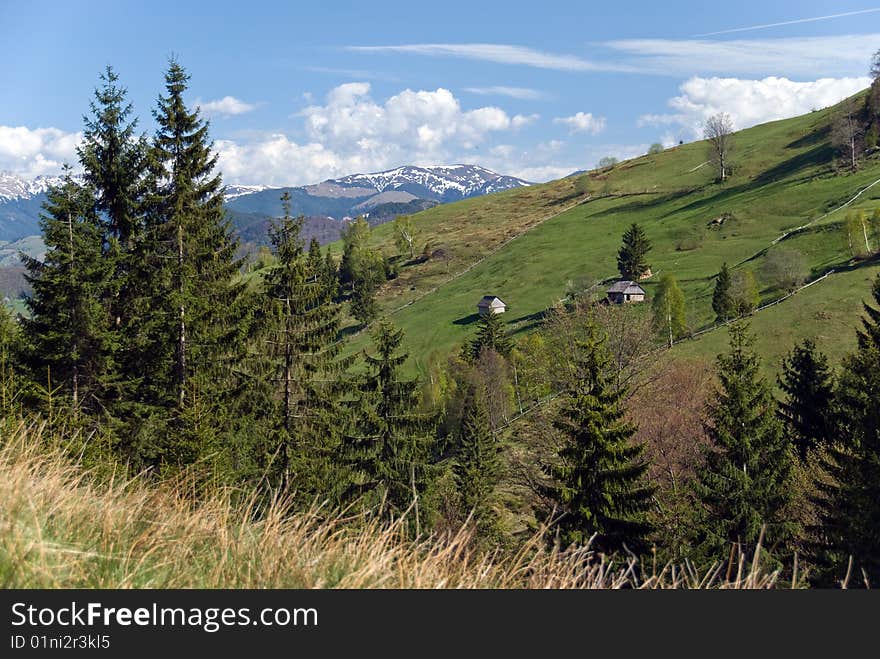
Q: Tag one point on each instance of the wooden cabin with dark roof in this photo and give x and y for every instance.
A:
(491, 304)
(622, 292)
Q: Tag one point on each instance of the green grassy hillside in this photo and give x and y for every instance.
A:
(528, 245)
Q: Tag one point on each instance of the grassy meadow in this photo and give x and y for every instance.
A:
(530, 246)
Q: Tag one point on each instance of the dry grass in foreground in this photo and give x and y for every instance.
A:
(60, 528)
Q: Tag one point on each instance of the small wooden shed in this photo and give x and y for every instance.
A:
(622, 292)
(491, 304)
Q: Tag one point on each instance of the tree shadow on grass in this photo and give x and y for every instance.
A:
(467, 320)
(813, 137)
(819, 155)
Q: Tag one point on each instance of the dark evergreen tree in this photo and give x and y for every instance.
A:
(631, 256)
(387, 451)
(745, 483)
(598, 482)
(808, 408)
(330, 273)
(68, 331)
(849, 503)
(300, 328)
(188, 310)
(477, 464)
(723, 303)
(114, 165)
(114, 160)
(490, 335)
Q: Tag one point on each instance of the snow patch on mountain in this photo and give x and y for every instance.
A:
(14, 187)
(233, 191)
(441, 180)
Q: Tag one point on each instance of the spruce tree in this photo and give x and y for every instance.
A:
(477, 464)
(632, 254)
(808, 408)
(68, 332)
(114, 165)
(598, 482)
(746, 480)
(387, 450)
(300, 335)
(849, 504)
(722, 301)
(187, 328)
(114, 160)
(490, 335)
(668, 308)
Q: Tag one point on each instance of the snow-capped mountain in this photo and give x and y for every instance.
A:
(14, 187)
(380, 196)
(443, 182)
(233, 191)
(358, 194)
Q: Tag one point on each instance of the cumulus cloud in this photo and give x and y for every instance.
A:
(225, 107)
(582, 122)
(31, 152)
(749, 102)
(352, 132)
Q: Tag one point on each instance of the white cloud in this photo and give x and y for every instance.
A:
(352, 132)
(422, 123)
(276, 160)
(582, 122)
(521, 93)
(750, 102)
(225, 107)
(31, 152)
(498, 53)
(839, 55)
(520, 120)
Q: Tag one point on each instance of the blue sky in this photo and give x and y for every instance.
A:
(299, 92)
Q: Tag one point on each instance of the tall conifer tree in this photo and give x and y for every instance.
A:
(746, 481)
(631, 257)
(598, 481)
(849, 505)
(302, 324)
(114, 164)
(387, 450)
(723, 303)
(187, 328)
(68, 331)
(477, 465)
(114, 160)
(808, 408)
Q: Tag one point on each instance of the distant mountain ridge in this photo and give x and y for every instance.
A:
(356, 194)
(375, 195)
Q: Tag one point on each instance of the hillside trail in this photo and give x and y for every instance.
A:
(523, 412)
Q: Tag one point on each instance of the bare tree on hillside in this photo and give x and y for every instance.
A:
(718, 129)
(846, 132)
